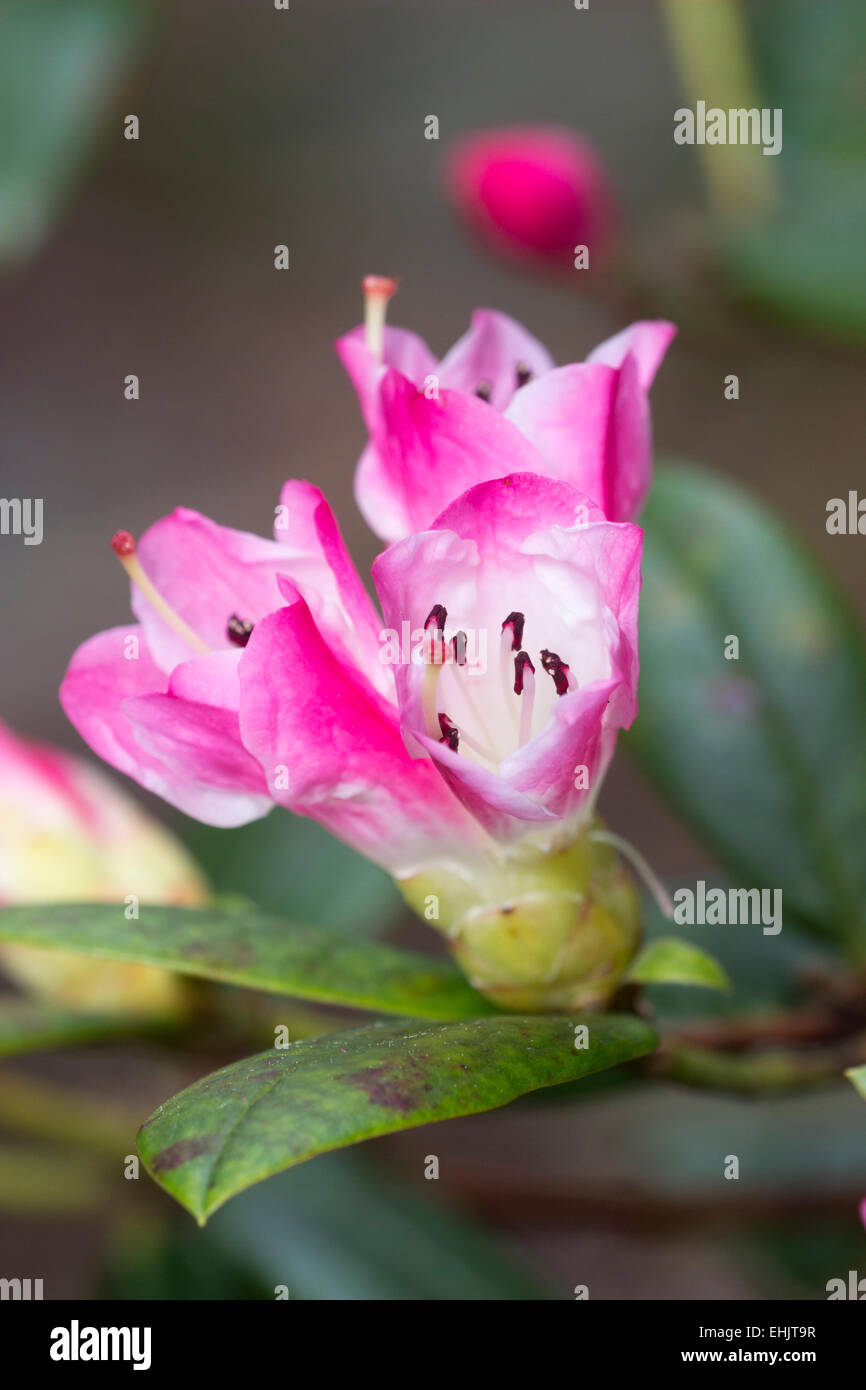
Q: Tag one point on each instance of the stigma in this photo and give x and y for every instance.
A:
(378, 289)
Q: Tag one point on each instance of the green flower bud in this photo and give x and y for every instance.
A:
(537, 932)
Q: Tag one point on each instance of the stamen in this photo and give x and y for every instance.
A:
(238, 630)
(430, 698)
(123, 545)
(507, 645)
(438, 615)
(450, 733)
(561, 673)
(522, 668)
(515, 623)
(522, 374)
(378, 289)
(459, 644)
(484, 390)
(434, 626)
(524, 686)
(463, 685)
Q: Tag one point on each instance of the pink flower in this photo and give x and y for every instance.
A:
(548, 590)
(161, 700)
(494, 404)
(68, 834)
(261, 672)
(533, 192)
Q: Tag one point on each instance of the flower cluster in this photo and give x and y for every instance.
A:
(506, 487)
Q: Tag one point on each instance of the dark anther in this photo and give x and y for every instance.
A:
(436, 617)
(458, 646)
(515, 621)
(521, 664)
(556, 667)
(484, 390)
(238, 630)
(450, 734)
(522, 374)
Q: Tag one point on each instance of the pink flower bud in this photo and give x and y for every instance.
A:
(533, 191)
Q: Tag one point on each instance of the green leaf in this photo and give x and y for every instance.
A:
(671, 961)
(765, 756)
(61, 62)
(242, 946)
(857, 1077)
(268, 1112)
(286, 864)
(805, 263)
(32, 1025)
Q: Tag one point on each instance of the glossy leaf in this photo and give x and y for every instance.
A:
(241, 946)
(269, 1112)
(764, 755)
(668, 960)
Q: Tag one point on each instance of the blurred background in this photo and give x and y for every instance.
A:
(155, 257)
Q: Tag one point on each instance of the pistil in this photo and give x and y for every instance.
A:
(378, 289)
(123, 545)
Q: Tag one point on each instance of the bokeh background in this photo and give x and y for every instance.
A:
(155, 257)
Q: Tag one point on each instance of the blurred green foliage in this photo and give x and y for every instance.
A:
(61, 65)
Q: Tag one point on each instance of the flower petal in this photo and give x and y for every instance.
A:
(207, 573)
(402, 349)
(323, 573)
(647, 341)
(512, 545)
(490, 353)
(432, 449)
(103, 694)
(332, 750)
(567, 415)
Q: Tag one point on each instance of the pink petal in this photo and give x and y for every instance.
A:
(647, 340)
(383, 506)
(98, 679)
(103, 688)
(323, 573)
(207, 573)
(402, 349)
(567, 415)
(513, 545)
(338, 747)
(432, 449)
(490, 352)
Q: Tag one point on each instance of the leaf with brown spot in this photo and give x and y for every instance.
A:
(271, 1111)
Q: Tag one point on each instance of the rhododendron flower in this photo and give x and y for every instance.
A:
(67, 834)
(496, 404)
(161, 700)
(263, 674)
(533, 192)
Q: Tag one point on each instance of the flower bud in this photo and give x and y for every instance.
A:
(538, 932)
(535, 192)
(68, 835)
